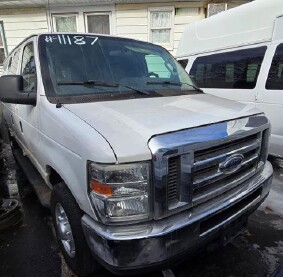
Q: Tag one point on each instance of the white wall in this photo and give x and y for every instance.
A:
(21, 23)
(132, 20)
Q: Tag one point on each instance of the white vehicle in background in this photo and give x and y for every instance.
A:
(238, 54)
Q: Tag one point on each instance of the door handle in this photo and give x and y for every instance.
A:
(21, 126)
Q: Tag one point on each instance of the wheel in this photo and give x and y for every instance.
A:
(66, 216)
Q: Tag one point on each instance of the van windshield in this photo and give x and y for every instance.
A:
(77, 68)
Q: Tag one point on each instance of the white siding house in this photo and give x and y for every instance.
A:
(161, 22)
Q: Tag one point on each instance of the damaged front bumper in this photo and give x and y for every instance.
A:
(157, 244)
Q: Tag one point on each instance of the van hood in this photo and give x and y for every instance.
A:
(128, 125)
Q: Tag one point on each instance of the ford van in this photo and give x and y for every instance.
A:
(139, 167)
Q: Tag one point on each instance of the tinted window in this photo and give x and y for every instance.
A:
(275, 75)
(183, 62)
(85, 67)
(28, 68)
(237, 69)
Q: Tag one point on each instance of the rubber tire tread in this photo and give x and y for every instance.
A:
(83, 264)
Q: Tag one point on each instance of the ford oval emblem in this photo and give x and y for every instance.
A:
(231, 164)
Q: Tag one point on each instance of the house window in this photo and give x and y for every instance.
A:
(2, 44)
(213, 9)
(65, 22)
(98, 23)
(161, 26)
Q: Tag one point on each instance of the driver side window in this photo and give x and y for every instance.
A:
(28, 69)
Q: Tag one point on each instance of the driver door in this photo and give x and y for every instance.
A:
(28, 115)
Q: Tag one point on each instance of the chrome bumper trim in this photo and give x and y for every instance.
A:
(164, 226)
(159, 243)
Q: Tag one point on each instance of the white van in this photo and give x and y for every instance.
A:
(238, 54)
(142, 167)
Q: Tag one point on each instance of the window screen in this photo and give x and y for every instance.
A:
(98, 24)
(161, 27)
(65, 23)
(275, 75)
(237, 69)
(28, 68)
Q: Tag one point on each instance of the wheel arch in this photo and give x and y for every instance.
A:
(53, 176)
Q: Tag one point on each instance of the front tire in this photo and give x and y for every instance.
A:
(66, 216)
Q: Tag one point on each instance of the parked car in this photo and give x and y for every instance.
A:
(236, 56)
(143, 167)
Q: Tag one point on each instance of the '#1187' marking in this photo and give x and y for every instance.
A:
(70, 39)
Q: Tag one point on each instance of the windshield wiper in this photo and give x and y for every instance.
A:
(88, 83)
(173, 84)
(142, 92)
(93, 83)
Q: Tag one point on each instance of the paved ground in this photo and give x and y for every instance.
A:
(31, 250)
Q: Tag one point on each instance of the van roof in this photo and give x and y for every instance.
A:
(69, 33)
(247, 24)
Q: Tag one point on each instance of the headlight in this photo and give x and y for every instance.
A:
(120, 192)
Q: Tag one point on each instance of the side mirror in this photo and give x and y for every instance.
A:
(12, 91)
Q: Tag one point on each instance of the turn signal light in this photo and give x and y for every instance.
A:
(101, 188)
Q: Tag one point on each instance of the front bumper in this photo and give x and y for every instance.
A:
(161, 242)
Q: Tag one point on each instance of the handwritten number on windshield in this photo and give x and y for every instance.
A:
(69, 39)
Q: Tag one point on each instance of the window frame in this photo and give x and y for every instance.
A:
(109, 13)
(80, 11)
(2, 33)
(67, 14)
(169, 46)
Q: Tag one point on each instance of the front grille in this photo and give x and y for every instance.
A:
(208, 181)
(173, 180)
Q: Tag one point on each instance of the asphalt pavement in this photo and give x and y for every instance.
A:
(30, 249)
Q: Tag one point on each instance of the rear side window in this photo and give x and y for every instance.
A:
(237, 69)
(275, 75)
